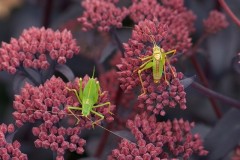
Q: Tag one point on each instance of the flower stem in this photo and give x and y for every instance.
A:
(47, 13)
(229, 12)
(201, 73)
(119, 43)
(206, 84)
(210, 93)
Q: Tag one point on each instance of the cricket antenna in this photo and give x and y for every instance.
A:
(113, 132)
(151, 36)
(93, 71)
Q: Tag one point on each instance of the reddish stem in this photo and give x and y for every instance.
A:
(206, 84)
(201, 73)
(102, 142)
(229, 12)
(47, 13)
(210, 93)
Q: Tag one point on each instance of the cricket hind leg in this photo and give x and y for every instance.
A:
(147, 66)
(99, 115)
(170, 67)
(173, 52)
(70, 108)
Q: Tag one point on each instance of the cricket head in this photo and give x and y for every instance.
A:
(157, 52)
(156, 49)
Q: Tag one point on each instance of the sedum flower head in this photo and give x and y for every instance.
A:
(102, 13)
(9, 149)
(48, 104)
(34, 47)
(158, 95)
(159, 140)
(215, 22)
(173, 13)
(59, 139)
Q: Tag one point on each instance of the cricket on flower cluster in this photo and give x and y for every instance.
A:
(88, 97)
(137, 91)
(157, 62)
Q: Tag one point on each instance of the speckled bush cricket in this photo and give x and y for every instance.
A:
(88, 97)
(157, 62)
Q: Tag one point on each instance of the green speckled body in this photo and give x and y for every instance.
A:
(90, 96)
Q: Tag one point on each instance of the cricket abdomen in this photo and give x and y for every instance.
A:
(86, 107)
(157, 70)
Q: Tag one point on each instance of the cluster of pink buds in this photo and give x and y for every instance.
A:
(215, 22)
(59, 139)
(172, 13)
(9, 149)
(33, 48)
(102, 14)
(45, 102)
(159, 140)
(164, 94)
(169, 91)
(48, 104)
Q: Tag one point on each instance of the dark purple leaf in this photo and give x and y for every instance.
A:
(66, 71)
(224, 136)
(187, 81)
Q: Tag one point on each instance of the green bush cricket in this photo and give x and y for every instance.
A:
(157, 62)
(88, 97)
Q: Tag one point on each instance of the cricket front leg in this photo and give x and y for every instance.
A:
(76, 94)
(80, 90)
(70, 108)
(99, 88)
(103, 104)
(171, 52)
(145, 58)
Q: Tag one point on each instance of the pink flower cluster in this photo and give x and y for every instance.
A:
(236, 154)
(102, 14)
(139, 46)
(33, 48)
(59, 139)
(48, 104)
(163, 95)
(45, 103)
(215, 22)
(172, 13)
(159, 140)
(9, 150)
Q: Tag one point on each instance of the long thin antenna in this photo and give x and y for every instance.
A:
(112, 132)
(93, 71)
(151, 36)
(96, 124)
